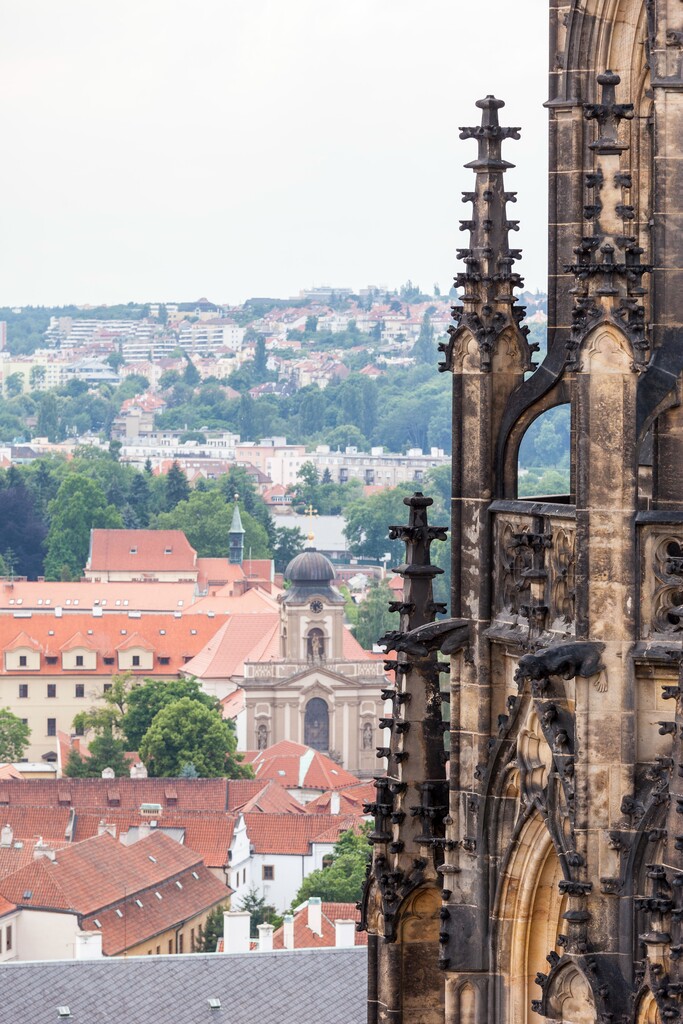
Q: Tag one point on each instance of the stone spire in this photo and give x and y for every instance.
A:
(488, 303)
(236, 536)
(412, 798)
(608, 271)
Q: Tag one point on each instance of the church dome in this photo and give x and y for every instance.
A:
(310, 566)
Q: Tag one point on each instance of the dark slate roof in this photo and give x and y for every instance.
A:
(287, 987)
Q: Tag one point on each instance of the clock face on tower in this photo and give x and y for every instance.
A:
(316, 606)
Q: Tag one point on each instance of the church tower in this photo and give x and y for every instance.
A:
(558, 864)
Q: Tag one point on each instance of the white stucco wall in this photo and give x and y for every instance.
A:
(45, 935)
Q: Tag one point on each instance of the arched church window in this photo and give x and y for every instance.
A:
(317, 725)
(543, 461)
(315, 648)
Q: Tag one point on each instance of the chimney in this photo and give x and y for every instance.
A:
(344, 934)
(335, 803)
(138, 771)
(144, 830)
(265, 938)
(42, 849)
(288, 931)
(88, 946)
(236, 931)
(315, 914)
(103, 827)
(6, 836)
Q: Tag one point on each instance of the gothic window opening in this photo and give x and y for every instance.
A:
(543, 469)
(317, 725)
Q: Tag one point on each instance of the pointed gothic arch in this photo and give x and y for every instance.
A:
(527, 917)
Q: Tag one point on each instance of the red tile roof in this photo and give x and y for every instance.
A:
(20, 854)
(139, 924)
(124, 793)
(306, 938)
(110, 551)
(6, 907)
(169, 637)
(86, 594)
(251, 637)
(99, 872)
(30, 822)
(273, 799)
(351, 799)
(207, 833)
(294, 765)
(293, 833)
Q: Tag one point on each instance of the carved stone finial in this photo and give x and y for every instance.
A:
(488, 302)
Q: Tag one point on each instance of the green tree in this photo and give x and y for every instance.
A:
(424, 349)
(342, 881)
(14, 384)
(79, 507)
(106, 751)
(368, 521)
(37, 377)
(211, 931)
(260, 359)
(139, 500)
(14, 736)
(289, 543)
(187, 731)
(205, 520)
(177, 487)
(109, 712)
(191, 375)
(143, 703)
(374, 618)
(260, 912)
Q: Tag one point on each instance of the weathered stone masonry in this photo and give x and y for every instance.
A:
(531, 869)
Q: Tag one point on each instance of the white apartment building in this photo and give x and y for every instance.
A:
(385, 469)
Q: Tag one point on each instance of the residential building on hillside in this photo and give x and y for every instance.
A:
(377, 467)
(100, 897)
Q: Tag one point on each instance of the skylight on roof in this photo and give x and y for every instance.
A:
(98, 923)
(139, 902)
(119, 913)
(63, 1011)
(153, 859)
(133, 551)
(158, 895)
(214, 1003)
(28, 894)
(179, 884)
(195, 875)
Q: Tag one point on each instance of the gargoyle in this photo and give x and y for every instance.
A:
(565, 660)
(445, 635)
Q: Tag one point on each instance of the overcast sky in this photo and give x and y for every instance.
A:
(168, 149)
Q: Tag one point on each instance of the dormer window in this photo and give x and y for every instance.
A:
(168, 551)
(133, 551)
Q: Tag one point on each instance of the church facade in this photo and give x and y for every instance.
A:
(528, 842)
